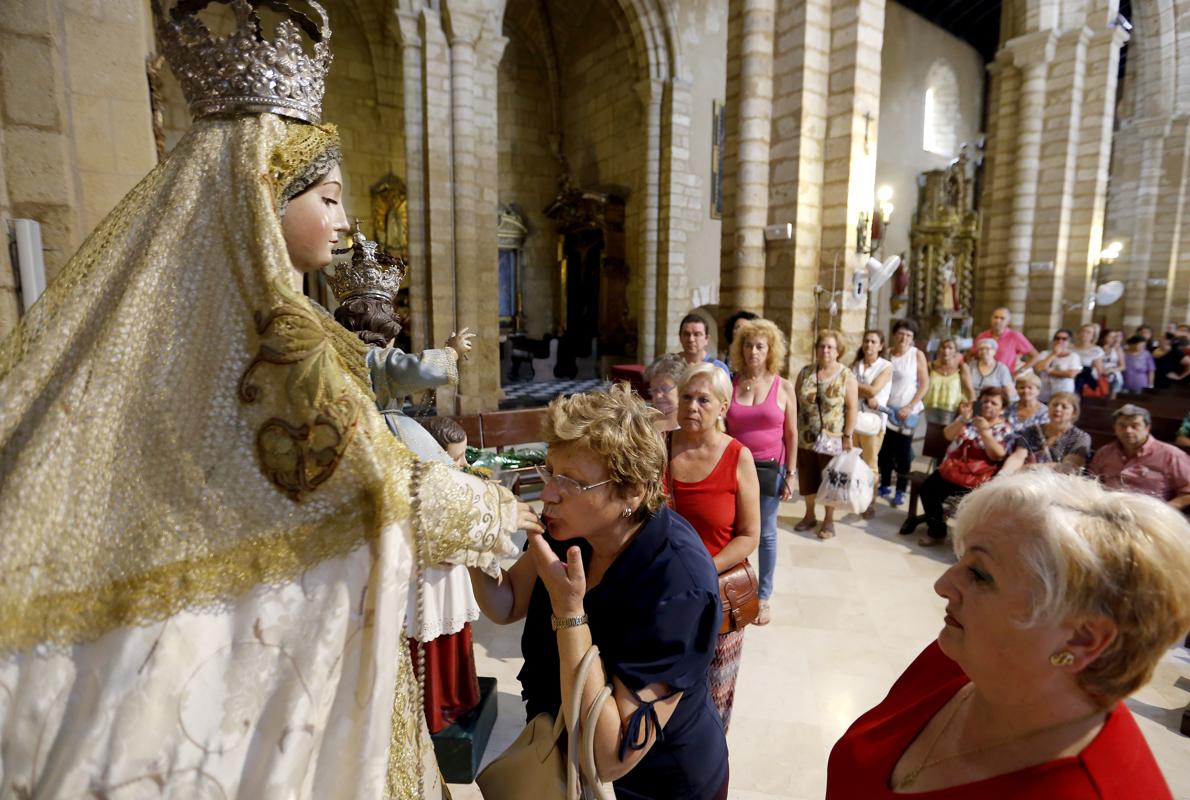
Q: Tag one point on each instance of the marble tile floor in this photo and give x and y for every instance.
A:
(849, 615)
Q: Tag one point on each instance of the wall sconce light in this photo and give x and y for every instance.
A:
(1102, 294)
(876, 225)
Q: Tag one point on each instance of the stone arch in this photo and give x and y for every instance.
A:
(940, 109)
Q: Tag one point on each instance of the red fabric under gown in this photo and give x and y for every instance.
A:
(1116, 765)
(452, 688)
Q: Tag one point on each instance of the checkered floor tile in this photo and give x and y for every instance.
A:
(533, 394)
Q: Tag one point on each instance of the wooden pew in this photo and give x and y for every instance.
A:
(507, 428)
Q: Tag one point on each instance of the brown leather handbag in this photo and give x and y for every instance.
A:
(740, 594)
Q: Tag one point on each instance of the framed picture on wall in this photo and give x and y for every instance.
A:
(718, 137)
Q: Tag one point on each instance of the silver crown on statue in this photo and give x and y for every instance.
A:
(370, 273)
(243, 72)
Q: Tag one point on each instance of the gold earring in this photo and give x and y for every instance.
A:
(1062, 659)
(627, 512)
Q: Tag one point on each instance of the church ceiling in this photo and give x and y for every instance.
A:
(976, 22)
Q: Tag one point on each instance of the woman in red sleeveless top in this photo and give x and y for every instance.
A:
(712, 481)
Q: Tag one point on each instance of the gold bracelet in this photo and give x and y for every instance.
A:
(560, 623)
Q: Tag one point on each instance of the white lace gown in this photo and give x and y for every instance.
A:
(288, 692)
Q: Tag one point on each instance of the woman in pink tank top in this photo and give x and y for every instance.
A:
(763, 417)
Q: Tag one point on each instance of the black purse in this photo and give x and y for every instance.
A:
(771, 474)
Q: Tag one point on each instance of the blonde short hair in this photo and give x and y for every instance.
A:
(760, 327)
(1121, 555)
(617, 426)
(720, 384)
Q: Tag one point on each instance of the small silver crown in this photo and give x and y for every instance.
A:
(243, 72)
(371, 272)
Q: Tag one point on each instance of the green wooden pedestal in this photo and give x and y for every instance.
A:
(459, 747)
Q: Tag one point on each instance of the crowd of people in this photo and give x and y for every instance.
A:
(740, 438)
(1066, 593)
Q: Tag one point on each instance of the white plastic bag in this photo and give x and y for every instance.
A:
(847, 482)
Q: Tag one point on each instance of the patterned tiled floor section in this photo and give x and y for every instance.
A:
(848, 616)
(531, 395)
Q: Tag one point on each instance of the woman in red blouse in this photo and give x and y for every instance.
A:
(1064, 597)
(713, 485)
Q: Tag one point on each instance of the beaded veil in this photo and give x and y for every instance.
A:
(178, 426)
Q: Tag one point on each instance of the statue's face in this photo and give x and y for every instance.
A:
(313, 222)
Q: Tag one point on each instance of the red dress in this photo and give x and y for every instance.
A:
(1116, 765)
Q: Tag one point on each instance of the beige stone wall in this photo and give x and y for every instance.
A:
(364, 99)
(702, 26)
(108, 96)
(75, 124)
(528, 173)
(912, 46)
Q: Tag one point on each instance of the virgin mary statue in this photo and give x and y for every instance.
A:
(207, 532)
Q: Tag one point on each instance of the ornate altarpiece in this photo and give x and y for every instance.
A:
(942, 242)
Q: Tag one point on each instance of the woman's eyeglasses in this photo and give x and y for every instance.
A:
(567, 487)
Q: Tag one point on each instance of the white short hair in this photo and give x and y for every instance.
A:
(720, 383)
(1121, 555)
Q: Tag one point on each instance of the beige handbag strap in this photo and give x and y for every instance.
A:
(587, 743)
(588, 751)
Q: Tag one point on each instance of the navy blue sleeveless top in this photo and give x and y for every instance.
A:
(655, 617)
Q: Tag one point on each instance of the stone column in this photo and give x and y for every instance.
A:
(652, 335)
(1135, 263)
(1031, 55)
(1160, 296)
(678, 205)
(801, 78)
(408, 26)
(462, 34)
(484, 188)
(743, 278)
(849, 171)
(998, 175)
(1094, 157)
(1058, 155)
(1179, 283)
(435, 204)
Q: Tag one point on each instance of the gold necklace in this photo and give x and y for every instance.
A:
(748, 381)
(926, 763)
